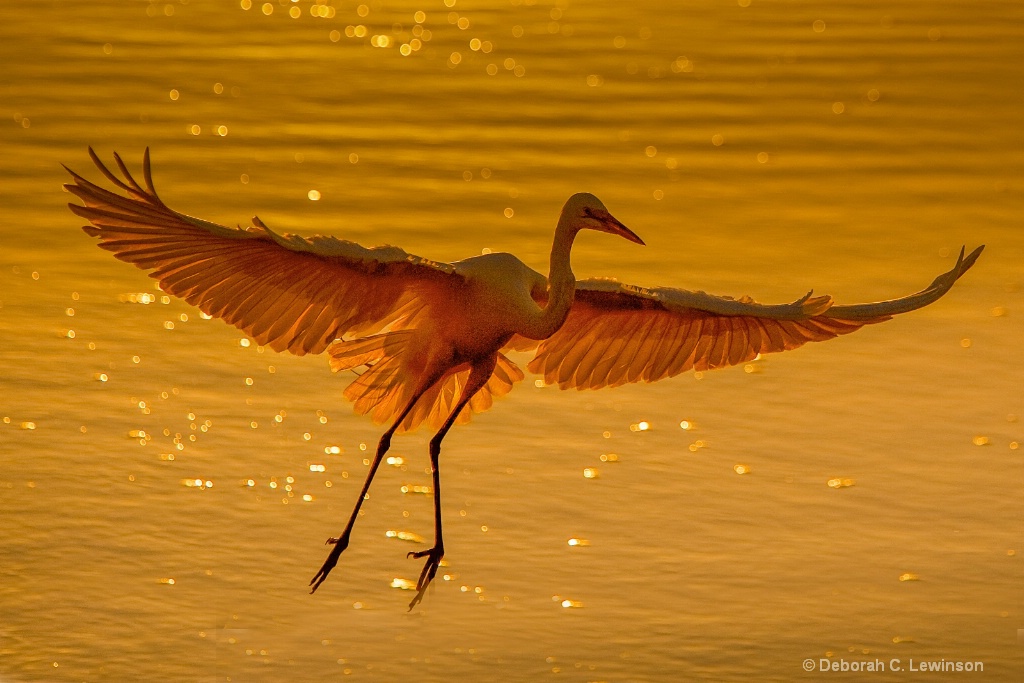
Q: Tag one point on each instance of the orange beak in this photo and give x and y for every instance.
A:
(611, 224)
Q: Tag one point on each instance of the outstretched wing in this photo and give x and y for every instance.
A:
(285, 291)
(618, 333)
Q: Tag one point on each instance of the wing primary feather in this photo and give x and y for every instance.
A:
(128, 176)
(584, 377)
(620, 365)
(147, 175)
(718, 352)
(277, 306)
(599, 377)
(791, 333)
(740, 341)
(105, 171)
(574, 354)
(644, 349)
(648, 345)
(660, 347)
(754, 339)
(687, 352)
(708, 334)
(297, 330)
(671, 347)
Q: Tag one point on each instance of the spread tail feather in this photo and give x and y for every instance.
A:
(387, 384)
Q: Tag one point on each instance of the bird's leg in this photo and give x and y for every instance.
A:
(435, 554)
(341, 542)
(478, 377)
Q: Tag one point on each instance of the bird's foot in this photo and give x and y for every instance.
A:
(434, 556)
(332, 560)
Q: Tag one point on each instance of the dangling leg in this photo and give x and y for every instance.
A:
(341, 542)
(478, 376)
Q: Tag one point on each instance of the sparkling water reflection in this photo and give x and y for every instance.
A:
(760, 149)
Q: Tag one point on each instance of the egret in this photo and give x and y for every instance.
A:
(432, 336)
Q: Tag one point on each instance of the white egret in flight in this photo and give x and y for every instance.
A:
(432, 336)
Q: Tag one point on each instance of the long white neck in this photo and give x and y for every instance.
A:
(561, 285)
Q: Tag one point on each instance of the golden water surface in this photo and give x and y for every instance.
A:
(166, 486)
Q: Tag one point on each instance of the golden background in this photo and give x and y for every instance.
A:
(758, 147)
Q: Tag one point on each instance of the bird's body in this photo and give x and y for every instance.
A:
(496, 297)
(432, 336)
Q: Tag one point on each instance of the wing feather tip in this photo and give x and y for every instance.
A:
(968, 261)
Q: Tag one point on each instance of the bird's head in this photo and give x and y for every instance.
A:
(584, 211)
